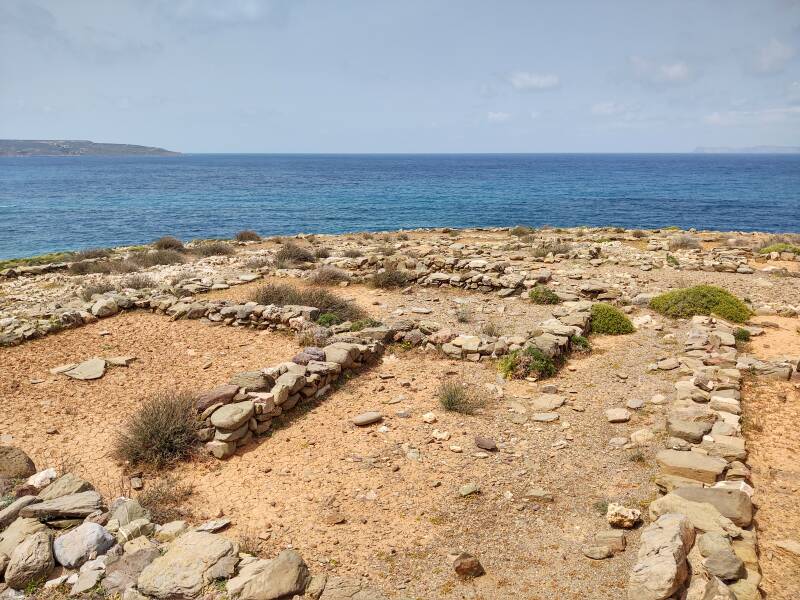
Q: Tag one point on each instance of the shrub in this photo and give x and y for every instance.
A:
(672, 261)
(322, 253)
(213, 248)
(780, 247)
(385, 250)
(352, 253)
(701, 300)
(740, 334)
(168, 243)
(325, 301)
(389, 278)
(363, 324)
(530, 361)
(92, 253)
(156, 257)
(638, 233)
(292, 253)
(683, 242)
(552, 247)
(100, 287)
(247, 235)
(139, 282)
(90, 266)
(328, 275)
(457, 397)
(258, 262)
(609, 320)
(463, 314)
(164, 499)
(492, 329)
(580, 344)
(161, 431)
(541, 294)
(328, 319)
(521, 230)
(403, 237)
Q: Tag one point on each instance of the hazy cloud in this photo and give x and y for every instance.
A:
(773, 57)
(497, 117)
(753, 117)
(609, 108)
(660, 73)
(525, 81)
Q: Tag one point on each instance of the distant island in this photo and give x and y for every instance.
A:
(76, 148)
(749, 150)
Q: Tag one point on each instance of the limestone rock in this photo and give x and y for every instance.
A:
(30, 562)
(725, 565)
(618, 415)
(82, 543)
(15, 464)
(222, 394)
(281, 577)
(732, 503)
(702, 515)
(10, 513)
(79, 505)
(622, 517)
(63, 486)
(15, 533)
(94, 368)
(691, 465)
(128, 510)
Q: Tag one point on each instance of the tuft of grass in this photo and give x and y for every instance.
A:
(352, 253)
(213, 248)
(601, 506)
(580, 344)
(325, 301)
(389, 278)
(328, 275)
(164, 498)
(139, 282)
(247, 235)
(162, 431)
(292, 253)
(683, 242)
(541, 294)
(740, 334)
(551, 247)
(456, 397)
(638, 234)
(528, 362)
(609, 320)
(322, 253)
(153, 258)
(92, 253)
(258, 262)
(100, 287)
(168, 242)
(701, 300)
(492, 329)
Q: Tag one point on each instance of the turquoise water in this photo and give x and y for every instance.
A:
(50, 204)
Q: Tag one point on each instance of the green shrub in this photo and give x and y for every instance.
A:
(161, 431)
(325, 301)
(780, 247)
(213, 248)
(363, 324)
(530, 361)
(609, 320)
(463, 314)
(389, 278)
(701, 300)
(90, 266)
(541, 294)
(328, 319)
(672, 261)
(740, 334)
(168, 243)
(247, 235)
(457, 397)
(580, 344)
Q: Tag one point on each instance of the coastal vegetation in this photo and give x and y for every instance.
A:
(247, 235)
(701, 300)
(528, 362)
(328, 303)
(541, 294)
(609, 320)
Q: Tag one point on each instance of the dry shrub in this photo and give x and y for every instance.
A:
(352, 253)
(258, 262)
(153, 258)
(92, 253)
(213, 248)
(292, 253)
(139, 282)
(168, 242)
(325, 301)
(322, 253)
(164, 498)
(163, 430)
(99, 287)
(683, 242)
(390, 278)
(247, 235)
(328, 275)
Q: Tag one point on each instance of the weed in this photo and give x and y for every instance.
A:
(457, 397)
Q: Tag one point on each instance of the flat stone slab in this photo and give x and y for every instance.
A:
(232, 416)
(367, 418)
(547, 402)
(94, 368)
(545, 417)
(79, 505)
(691, 465)
(618, 415)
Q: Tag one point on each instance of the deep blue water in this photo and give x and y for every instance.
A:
(49, 204)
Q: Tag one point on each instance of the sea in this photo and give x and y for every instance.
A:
(69, 203)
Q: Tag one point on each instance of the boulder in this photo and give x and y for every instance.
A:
(661, 566)
(282, 577)
(15, 533)
(725, 565)
(30, 562)
(63, 486)
(732, 503)
(191, 562)
(86, 541)
(104, 307)
(15, 464)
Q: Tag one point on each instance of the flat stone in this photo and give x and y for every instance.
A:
(128, 510)
(547, 402)
(468, 489)
(725, 565)
(64, 486)
(545, 417)
(10, 513)
(367, 418)
(282, 577)
(222, 394)
(94, 368)
(338, 588)
(618, 415)
(485, 443)
(597, 552)
(732, 503)
(702, 515)
(233, 416)
(71, 506)
(691, 465)
(123, 571)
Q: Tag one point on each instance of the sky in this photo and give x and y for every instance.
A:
(402, 76)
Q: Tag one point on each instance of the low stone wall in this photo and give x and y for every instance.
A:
(705, 478)
(233, 414)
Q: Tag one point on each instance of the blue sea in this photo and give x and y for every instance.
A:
(50, 204)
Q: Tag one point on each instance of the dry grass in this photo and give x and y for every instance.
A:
(291, 253)
(457, 397)
(164, 498)
(213, 248)
(328, 275)
(247, 235)
(325, 301)
(139, 282)
(168, 242)
(390, 278)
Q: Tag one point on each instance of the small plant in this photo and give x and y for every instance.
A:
(528, 362)
(672, 261)
(328, 319)
(258, 262)
(403, 237)
(551, 248)
(156, 257)
(456, 397)
(292, 253)
(389, 278)
(322, 253)
(492, 329)
(213, 248)
(87, 267)
(740, 334)
(780, 247)
(161, 431)
(352, 253)
(637, 457)
(520, 230)
(701, 300)
(541, 294)
(168, 243)
(325, 301)
(164, 499)
(609, 320)
(601, 506)
(580, 344)
(463, 314)
(247, 235)
(139, 282)
(364, 324)
(249, 542)
(92, 253)
(100, 287)
(328, 275)
(683, 242)
(638, 233)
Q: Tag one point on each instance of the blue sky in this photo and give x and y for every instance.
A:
(402, 76)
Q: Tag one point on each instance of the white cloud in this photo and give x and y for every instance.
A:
(668, 73)
(773, 57)
(497, 117)
(524, 81)
(609, 108)
(762, 116)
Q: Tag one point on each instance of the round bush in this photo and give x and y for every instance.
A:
(701, 300)
(609, 320)
(541, 294)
